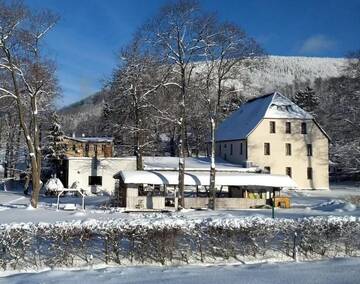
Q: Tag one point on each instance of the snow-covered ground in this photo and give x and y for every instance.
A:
(14, 207)
(330, 271)
(337, 201)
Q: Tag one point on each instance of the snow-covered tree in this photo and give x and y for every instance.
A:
(131, 106)
(55, 147)
(228, 49)
(352, 68)
(28, 76)
(178, 32)
(307, 99)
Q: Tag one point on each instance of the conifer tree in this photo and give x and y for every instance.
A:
(307, 99)
(55, 148)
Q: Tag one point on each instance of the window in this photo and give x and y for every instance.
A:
(266, 148)
(272, 126)
(267, 170)
(231, 149)
(241, 148)
(225, 145)
(288, 171)
(87, 147)
(288, 127)
(220, 149)
(309, 173)
(303, 128)
(95, 150)
(95, 180)
(309, 149)
(288, 149)
(74, 147)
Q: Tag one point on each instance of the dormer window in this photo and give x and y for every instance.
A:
(289, 108)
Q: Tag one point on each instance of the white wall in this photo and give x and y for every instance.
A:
(79, 169)
(298, 160)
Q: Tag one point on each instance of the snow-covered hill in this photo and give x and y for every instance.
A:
(278, 73)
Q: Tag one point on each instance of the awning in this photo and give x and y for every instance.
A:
(203, 178)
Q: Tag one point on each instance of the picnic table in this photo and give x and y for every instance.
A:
(78, 190)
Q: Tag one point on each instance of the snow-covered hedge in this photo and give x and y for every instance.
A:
(175, 240)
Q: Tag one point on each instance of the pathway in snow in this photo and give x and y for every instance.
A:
(331, 271)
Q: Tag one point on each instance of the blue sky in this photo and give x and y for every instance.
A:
(90, 33)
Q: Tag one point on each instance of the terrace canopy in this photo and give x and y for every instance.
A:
(203, 178)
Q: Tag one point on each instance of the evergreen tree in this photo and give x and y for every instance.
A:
(55, 148)
(307, 99)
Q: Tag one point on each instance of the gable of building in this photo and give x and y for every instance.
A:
(242, 122)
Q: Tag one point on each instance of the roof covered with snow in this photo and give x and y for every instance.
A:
(192, 164)
(92, 139)
(242, 122)
(203, 178)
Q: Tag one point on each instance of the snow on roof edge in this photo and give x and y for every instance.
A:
(202, 178)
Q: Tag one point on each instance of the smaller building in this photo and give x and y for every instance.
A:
(158, 189)
(95, 174)
(101, 147)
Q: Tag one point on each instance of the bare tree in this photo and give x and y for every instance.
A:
(132, 104)
(178, 33)
(30, 76)
(229, 50)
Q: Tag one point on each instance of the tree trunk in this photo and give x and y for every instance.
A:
(138, 134)
(186, 141)
(212, 189)
(10, 146)
(36, 169)
(181, 168)
(15, 149)
(36, 186)
(182, 150)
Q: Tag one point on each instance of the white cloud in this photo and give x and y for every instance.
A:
(317, 43)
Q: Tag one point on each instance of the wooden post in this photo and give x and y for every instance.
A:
(176, 201)
(273, 204)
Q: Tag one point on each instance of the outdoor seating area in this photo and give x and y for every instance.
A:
(55, 187)
(159, 189)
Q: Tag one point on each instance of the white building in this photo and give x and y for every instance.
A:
(93, 174)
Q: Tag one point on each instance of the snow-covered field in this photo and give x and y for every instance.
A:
(330, 271)
(337, 201)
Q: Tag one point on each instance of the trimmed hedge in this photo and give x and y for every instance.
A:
(175, 240)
